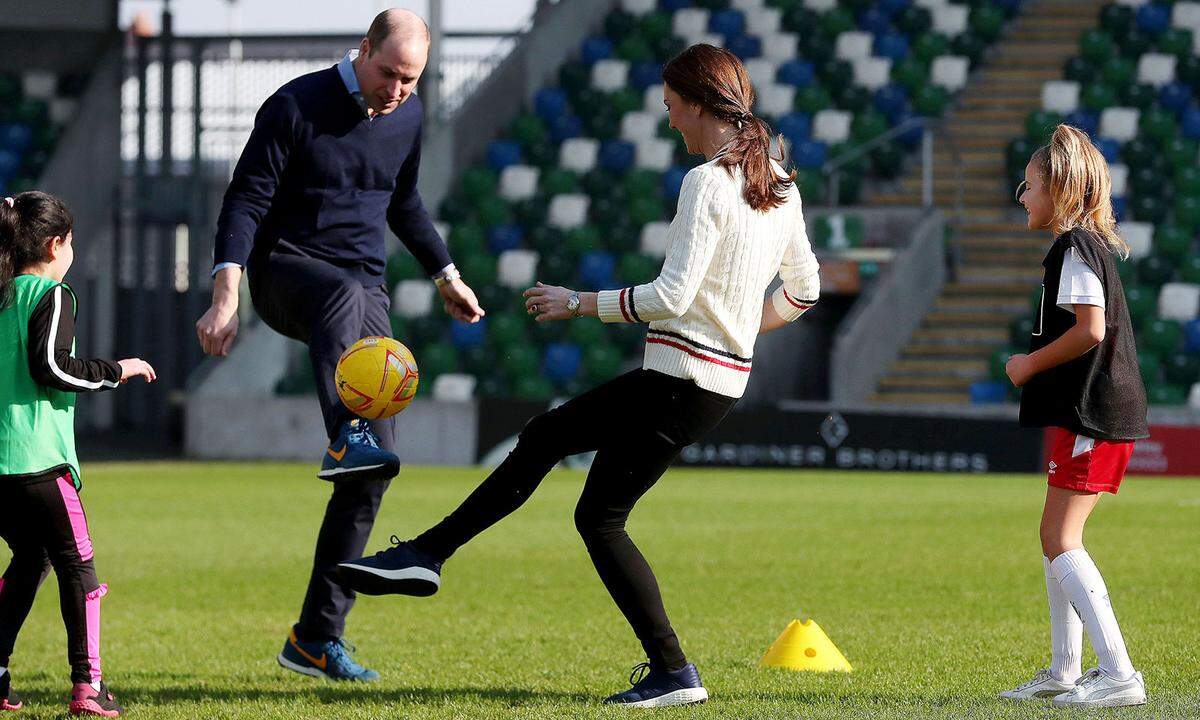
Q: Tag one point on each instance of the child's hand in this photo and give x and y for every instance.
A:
(134, 367)
(1018, 369)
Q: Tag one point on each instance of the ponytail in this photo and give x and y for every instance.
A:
(27, 221)
(716, 79)
(1080, 188)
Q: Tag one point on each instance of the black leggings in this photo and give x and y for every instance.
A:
(44, 525)
(638, 424)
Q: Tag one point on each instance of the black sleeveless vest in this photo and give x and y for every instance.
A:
(1099, 394)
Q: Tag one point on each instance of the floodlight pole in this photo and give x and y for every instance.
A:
(431, 82)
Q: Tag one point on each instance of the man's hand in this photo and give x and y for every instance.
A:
(134, 367)
(1019, 369)
(217, 328)
(460, 301)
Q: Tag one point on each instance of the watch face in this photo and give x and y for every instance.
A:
(572, 302)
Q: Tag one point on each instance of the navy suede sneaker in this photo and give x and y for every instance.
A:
(330, 659)
(356, 455)
(661, 688)
(399, 570)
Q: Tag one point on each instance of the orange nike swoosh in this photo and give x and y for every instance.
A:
(319, 663)
(337, 455)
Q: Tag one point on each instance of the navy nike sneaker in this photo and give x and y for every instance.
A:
(660, 688)
(356, 455)
(330, 659)
(399, 570)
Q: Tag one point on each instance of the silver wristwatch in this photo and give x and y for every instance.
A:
(573, 305)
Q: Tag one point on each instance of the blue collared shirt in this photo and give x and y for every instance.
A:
(345, 68)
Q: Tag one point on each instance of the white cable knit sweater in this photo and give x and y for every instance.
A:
(705, 307)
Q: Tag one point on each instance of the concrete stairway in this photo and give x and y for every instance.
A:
(1000, 259)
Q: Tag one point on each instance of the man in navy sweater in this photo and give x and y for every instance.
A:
(333, 157)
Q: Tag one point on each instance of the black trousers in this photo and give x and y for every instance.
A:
(328, 310)
(44, 525)
(637, 424)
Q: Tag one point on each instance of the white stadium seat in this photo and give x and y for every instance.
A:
(641, 125)
(413, 298)
(1139, 236)
(1194, 397)
(763, 21)
(1186, 15)
(820, 5)
(1156, 69)
(745, 5)
(931, 4)
(951, 20)
(1132, 3)
(950, 71)
(872, 73)
(652, 100)
(609, 75)
(1120, 179)
(690, 22)
(761, 71)
(518, 182)
(567, 211)
(853, 44)
(1179, 301)
(63, 110)
(775, 100)
(654, 154)
(517, 269)
(780, 47)
(654, 239)
(1060, 96)
(638, 7)
(1119, 123)
(831, 126)
(578, 154)
(454, 387)
(40, 84)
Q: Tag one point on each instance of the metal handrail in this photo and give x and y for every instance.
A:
(832, 167)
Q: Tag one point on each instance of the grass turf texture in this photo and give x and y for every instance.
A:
(931, 585)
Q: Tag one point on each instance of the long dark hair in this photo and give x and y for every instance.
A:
(26, 224)
(715, 79)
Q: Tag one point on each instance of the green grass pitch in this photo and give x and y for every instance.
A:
(931, 586)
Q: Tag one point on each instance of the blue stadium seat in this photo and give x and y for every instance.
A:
(597, 47)
(810, 154)
(550, 104)
(1153, 18)
(796, 72)
(891, 45)
(10, 162)
(875, 21)
(1110, 149)
(502, 153)
(744, 46)
(15, 136)
(727, 23)
(1189, 124)
(505, 237)
(1120, 206)
(1085, 120)
(465, 335)
(672, 181)
(910, 138)
(671, 6)
(1175, 97)
(644, 74)
(1191, 335)
(565, 127)
(890, 100)
(795, 126)
(561, 361)
(988, 392)
(597, 270)
(892, 8)
(617, 155)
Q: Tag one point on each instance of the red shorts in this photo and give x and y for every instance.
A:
(1081, 463)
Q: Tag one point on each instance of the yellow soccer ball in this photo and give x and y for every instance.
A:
(376, 377)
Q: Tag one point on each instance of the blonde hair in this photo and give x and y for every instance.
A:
(1080, 189)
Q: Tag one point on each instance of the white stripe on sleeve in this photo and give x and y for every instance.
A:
(58, 372)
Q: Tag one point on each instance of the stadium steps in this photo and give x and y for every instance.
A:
(1000, 259)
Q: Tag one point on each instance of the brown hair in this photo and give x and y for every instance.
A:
(26, 224)
(715, 79)
(1080, 189)
(396, 22)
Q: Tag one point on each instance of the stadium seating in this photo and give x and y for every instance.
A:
(1134, 88)
(33, 110)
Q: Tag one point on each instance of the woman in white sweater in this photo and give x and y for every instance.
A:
(738, 225)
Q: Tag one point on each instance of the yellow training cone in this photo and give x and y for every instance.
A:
(805, 646)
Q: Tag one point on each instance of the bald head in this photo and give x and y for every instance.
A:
(402, 27)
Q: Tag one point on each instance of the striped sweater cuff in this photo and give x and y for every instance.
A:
(615, 306)
(788, 307)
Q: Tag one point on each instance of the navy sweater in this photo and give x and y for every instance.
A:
(317, 178)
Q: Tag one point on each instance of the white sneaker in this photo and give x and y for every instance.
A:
(1043, 685)
(1099, 689)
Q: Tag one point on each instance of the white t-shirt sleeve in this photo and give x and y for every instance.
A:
(1078, 284)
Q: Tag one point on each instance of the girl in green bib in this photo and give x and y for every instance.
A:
(41, 517)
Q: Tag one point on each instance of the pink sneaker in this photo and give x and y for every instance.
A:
(87, 701)
(8, 699)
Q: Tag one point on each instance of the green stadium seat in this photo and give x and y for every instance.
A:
(1162, 337)
(1020, 330)
(1158, 125)
(1165, 394)
(399, 327)
(813, 99)
(403, 266)
(533, 387)
(1189, 270)
(1182, 368)
(518, 360)
(911, 74)
(1150, 208)
(601, 362)
(1134, 43)
(1138, 96)
(1187, 70)
(582, 239)
(479, 269)
(853, 98)
(467, 238)
(557, 268)
(970, 46)
(556, 181)
(655, 26)
(1098, 96)
(1039, 126)
(987, 21)
(913, 20)
(587, 334)
(644, 209)
(1079, 70)
(929, 46)
(1177, 42)
(495, 299)
(478, 361)
(931, 100)
(1173, 242)
(1187, 181)
(1096, 46)
(437, 358)
(1118, 71)
(634, 49)
(811, 185)
(546, 333)
(1187, 213)
(1142, 303)
(1150, 366)
(528, 129)
(1116, 19)
(837, 21)
(1181, 153)
(492, 210)
(637, 269)
(1154, 270)
(640, 183)
(998, 360)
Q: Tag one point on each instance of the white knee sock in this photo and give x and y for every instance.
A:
(1082, 584)
(1066, 631)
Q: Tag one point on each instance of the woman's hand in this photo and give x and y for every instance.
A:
(548, 302)
(133, 367)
